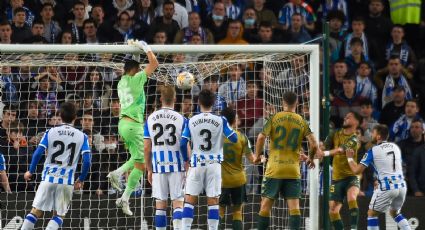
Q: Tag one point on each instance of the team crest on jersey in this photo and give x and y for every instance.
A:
(364, 157)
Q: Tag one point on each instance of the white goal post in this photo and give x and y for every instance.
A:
(259, 50)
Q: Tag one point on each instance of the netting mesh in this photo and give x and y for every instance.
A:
(34, 85)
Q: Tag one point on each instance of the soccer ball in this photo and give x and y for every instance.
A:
(185, 80)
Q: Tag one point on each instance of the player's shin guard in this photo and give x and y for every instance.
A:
(372, 223)
(160, 219)
(213, 217)
(54, 223)
(336, 221)
(177, 218)
(294, 219)
(237, 218)
(133, 180)
(187, 218)
(354, 213)
(402, 222)
(263, 220)
(29, 222)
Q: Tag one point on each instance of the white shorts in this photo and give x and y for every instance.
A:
(206, 178)
(55, 197)
(383, 200)
(168, 183)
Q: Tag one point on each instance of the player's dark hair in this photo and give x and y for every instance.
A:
(68, 112)
(382, 130)
(357, 116)
(229, 114)
(206, 98)
(130, 65)
(290, 98)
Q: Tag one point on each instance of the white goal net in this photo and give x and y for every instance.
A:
(34, 80)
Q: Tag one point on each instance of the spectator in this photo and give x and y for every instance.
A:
(296, 32)
(3, 175)
(186, 108)
(394, 109)
(90, 32)
(66, 37)
(165, 22)
(300, 7)
(108, 73)
(15, 4)
(356, 55)
(46, 96)
(234, 34)
(145, 12)
(32, 122)
(346, 101)
(21, 30)
(264, 14)
(235, 87)
(265, 34)
(104, 27)
(378, 27)
(9, 116)
(37, 32)
(358, 27)
(394, 78)
(160, 37)
(87, 122)
(5, 33)
(119, 6)
(72, 76)
(250, 108)
(250, 24)
(417, 172)
(336, 32)
(180, 14)
(54, 120)
(51, 27)
(217, 21)
(9, 86)
(26, 74)
(100, 90)
(76, 25)
(339, 71)
(366, 111)
(184, 35)
(124, 29)
(365, 87)
(232, 11)
(111, 116)
(211, 83)
(87, 106)
(329, 8)
(398, 47)
(400, 130)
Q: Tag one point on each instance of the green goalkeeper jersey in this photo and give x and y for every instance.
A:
(132, 96)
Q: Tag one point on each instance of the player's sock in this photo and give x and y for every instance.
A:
(29, 222)
(54, 223)
(402, 222)
(263, 220)
(133, 180)
(127, 166)
(372, 223)
(336, 221)
(354, 213)
(222, 212)
(177, 218)
(237, 218)
(160, 219)
(213, 217)
(187, 218)
(294, 219)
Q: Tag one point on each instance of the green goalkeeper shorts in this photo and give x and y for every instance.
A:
(132, 134)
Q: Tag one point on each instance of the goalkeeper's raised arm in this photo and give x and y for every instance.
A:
(153, 62)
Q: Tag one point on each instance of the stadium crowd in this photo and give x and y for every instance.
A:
(377, 57)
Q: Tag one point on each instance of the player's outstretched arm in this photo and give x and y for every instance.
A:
(153, 62)
(261, 139)
(228, 131)
(356, 168)
(5, 181)
(35, 159)
(84, 170)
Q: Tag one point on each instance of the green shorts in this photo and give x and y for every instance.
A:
(289, 188)
(339, 188)
(132, 134)
(233, 196)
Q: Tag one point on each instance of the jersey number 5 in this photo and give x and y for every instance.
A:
(71, 147)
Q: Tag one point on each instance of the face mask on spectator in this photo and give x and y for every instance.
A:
(217, 17)
(249, 21)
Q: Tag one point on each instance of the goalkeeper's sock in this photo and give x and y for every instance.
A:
(402, 222)
(213, 217)
(177, 218)
(29, 222)
(133, 180)
(372, 223)
(127, 166)
(237, 218)
(160, 219)
(187, 217)
(354, 213)
(54, 223)
(336, 221)
(294, 219)
(263, 220)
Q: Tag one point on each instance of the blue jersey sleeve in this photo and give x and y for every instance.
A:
(186, 130)
(85, 147)
(146, 133)
(228, 131)
(36, 157)
(44, 140)
(367, 158)
(2, 163)
(283, 16)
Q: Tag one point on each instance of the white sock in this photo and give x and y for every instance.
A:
(177, 218)
(55, 223)
(29, 222)
(187, 216)
(213, 217)
(402, 222)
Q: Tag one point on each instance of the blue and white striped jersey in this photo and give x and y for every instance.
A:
(386, 160)
(2, 163)
(64, 145)
(164, 127)
(206, 131)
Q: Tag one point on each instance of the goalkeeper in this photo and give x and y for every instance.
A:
(130, 127)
